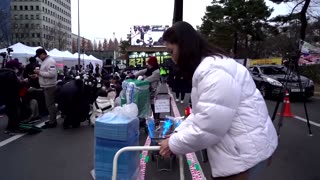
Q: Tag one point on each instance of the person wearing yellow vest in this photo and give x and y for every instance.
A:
(163, 74)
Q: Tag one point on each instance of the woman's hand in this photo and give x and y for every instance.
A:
(164, 148)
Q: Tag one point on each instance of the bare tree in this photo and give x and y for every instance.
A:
(61, 37)
(83, 43)
(56, 37)
(116, 44)
(111, 45)
(5, 37)
(100, 46)
(74, 46)
(89, 46)
(95, 45)
(21, 32)
(105, 44)
(302, 11)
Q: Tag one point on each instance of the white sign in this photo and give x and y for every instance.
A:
(162, 105)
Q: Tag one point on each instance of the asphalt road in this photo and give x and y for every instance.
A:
(68, 154)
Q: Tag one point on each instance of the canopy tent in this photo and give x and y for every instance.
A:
(23, 53)
(68, 58)
(67, 54)
(93, 58)
(85, 60)
(56, 54)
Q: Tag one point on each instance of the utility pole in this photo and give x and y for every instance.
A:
(79, 52)
(178, 11)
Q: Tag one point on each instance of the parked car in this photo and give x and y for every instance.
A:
(270, 80)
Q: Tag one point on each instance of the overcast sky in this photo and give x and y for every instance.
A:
(100, 18)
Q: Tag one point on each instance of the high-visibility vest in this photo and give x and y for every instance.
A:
(163, 72)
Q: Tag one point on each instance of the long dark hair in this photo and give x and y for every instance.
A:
(192, 47)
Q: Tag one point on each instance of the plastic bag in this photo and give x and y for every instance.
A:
(177, 120)
(140, 78)
(128, 110)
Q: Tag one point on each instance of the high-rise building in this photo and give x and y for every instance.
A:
(5, 23)
(45, 23)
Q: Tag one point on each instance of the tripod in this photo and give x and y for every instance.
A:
(5, 57)
(292, 66)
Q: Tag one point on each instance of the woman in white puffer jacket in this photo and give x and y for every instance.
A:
(229, 116)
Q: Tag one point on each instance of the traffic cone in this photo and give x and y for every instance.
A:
(287, 108)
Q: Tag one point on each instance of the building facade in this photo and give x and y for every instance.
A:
(45, 23)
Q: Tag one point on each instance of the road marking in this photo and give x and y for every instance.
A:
(17, 136)
(9, 140)
(304, 120)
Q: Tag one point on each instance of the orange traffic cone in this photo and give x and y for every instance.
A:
(287, 108)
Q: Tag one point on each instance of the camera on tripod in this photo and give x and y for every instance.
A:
(5, 56)
(9, 50)
(291, 59)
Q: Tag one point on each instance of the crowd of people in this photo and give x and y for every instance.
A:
(41, 88)
(229, 116)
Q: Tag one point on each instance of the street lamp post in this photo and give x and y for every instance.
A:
(79, 63)
(178, 11)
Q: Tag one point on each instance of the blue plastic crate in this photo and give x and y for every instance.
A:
(105, 150)
(115, 127)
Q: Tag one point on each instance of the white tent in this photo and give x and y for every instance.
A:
(67, 53)
(93, 58)
(56, 54)
(85, 60)
(21, 52)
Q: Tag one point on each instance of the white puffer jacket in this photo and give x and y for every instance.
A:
(229, 118)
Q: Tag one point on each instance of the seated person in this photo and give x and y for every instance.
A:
(104, 103)
(10, 95)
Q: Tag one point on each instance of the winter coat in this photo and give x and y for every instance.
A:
(10, 86)
(48, 73)
(73, 100)
(29, 70)
(229, 118)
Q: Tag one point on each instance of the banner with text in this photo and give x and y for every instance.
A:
(139, 59)
(277, 61)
